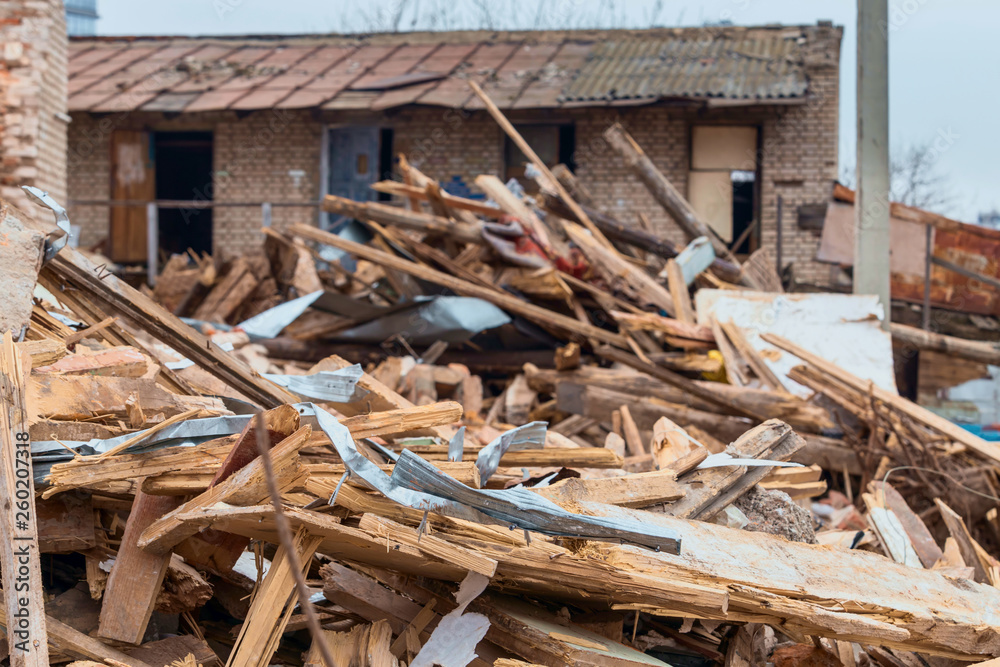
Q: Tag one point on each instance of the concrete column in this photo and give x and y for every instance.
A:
(871, 211)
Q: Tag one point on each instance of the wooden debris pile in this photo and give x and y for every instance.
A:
(610, 478)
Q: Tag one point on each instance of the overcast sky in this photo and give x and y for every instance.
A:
(944, 57)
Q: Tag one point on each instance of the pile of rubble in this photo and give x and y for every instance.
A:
(549, 453)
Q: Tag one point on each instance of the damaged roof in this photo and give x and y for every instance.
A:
(519, 70)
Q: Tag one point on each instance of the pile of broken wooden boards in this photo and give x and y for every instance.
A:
(162, 539)
(192, 509)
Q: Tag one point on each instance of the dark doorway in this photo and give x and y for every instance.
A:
(184, 172)
(744, 209)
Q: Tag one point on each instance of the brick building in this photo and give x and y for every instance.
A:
(733, 116)
(33, 119)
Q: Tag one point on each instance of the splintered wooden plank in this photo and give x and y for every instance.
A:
(136, 575)
(20, 559)
(640, 490)
(988, 450)
(760, 369)
(711, 490)
(679, 293)
(245, 487)
(890, 532)
(920, 536)
(67, 641)
(229, 293)
(66, 523)
(272, 606)
(69, 268)
(218, 550)
(165, 651)
(433, 546)
(463, 287)
(967, 546)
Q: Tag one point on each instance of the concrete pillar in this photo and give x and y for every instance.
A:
(33, 108)
(871, 211)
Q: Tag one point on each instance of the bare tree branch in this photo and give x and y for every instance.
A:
(915, 178)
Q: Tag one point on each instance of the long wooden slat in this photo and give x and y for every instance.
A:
(505, 301)
(68, 641)
(20, 558)
(136, 575)
(515, 136)
(246, 487)
(115, 295)
(989, 450)
(663, 190)
(398, 217)
(974, 350)
(678, 381)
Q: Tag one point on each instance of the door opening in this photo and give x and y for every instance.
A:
(358, 156)
(184, 172)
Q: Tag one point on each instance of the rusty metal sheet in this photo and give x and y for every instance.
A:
(480, 65)
(969, 246)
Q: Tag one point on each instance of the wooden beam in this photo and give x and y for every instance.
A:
(394, 216)
(619, 272)
(676, 380)
(663, 191)
(272, 606)
(974, 350)
(498, 192)
(20, 559)
(752, 357)
(989, 450)
(638, 238)
(679, 293)
(68, 641)
(246, 486)
(642, 489)
(417, 193)
(525, 147)
(72, 269)
(505, 301)
(136, 575)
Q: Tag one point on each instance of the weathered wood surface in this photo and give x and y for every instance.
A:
(71, 269)
(20, 559)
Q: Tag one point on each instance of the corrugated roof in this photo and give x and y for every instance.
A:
(652, 69)
(519, 70)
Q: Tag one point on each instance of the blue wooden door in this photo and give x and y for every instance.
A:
(354, 153)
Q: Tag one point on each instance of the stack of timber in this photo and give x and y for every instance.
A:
(627, 486)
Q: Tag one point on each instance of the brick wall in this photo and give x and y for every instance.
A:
(252, 158)
(254, 155)
(33, 52)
